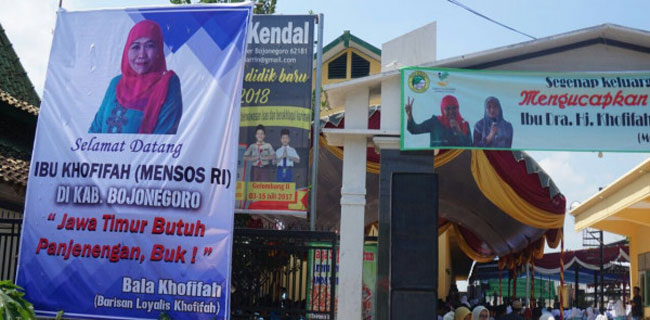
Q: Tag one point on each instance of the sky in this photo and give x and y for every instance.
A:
(29, 25)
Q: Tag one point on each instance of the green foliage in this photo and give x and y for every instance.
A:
(12, 303)
(265, 6)
(59, 315)
(324, 100)
(261, 6)
(164, 316)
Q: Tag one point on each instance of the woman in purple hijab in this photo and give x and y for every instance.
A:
(493, 131)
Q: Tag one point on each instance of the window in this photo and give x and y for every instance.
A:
(360, 66)
(337, 69)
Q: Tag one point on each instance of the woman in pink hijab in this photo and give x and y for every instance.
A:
(146, 97)
(447, 129)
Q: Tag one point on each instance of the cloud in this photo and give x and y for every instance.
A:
(29, 25)
(578, 176)
(558, 166)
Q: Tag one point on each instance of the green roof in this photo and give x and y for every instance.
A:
(346, 37)
(13, 78)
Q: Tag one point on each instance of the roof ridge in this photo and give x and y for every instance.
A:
(10, 151)
(13, 77)
(19, 104)
(345, 38)
(14, 170)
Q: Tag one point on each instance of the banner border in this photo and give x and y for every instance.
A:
(229, 7)
(516, 72)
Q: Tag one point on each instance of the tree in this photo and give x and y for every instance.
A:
(12, 303)
(324, 101)
(261, 6)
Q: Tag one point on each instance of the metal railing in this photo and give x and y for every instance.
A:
(9, 241)
(275, 274)
(283, 274)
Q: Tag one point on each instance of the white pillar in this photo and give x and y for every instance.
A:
(391, 108)
(353, 201)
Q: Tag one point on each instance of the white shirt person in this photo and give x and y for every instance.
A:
(285, 158)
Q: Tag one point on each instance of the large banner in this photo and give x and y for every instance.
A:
(320, 281)
(276, 116)
(573, 111)
(130, 201)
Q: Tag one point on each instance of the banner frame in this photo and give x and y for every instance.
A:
(403, 70)
(244, 6)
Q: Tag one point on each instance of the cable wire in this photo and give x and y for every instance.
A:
(489, 19)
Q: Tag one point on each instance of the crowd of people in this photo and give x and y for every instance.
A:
(460, 308)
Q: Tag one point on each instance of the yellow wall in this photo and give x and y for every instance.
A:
(375, 67)
(639, 244)
(634, 262)
(444, 265)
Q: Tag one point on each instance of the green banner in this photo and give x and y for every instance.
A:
(369, 302)
(544, 289)
(507, 110)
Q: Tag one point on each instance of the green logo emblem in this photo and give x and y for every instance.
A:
(418, 81)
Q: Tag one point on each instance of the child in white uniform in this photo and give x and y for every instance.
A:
(285, 158)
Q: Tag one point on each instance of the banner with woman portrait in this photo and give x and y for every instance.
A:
(130, 200)
(513, 110)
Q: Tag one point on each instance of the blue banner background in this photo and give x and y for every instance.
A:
(205, 47)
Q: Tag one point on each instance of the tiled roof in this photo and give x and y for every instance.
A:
(13, 78)
(22, 105)
(16, 132)
(14, 168)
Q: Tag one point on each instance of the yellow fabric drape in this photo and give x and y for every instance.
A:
(503, 196)
(534, 251)
(444, 158)
(538, 253)
(465, 247)
(443, 228)
(373, 167)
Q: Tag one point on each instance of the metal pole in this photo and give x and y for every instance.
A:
(602, 273)
(623, 297)
(333, 273)
(575, 292)
(596, 289)
(509, 282)
(316, 136)
(514, 285)
(528, 284)
(548, 296)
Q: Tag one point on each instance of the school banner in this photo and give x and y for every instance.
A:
(320, 276)
(275, 122)
(570, 111)
(319, 280)
(369, 293)
(130, 201)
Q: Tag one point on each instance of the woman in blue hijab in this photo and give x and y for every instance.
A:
(493, 131)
